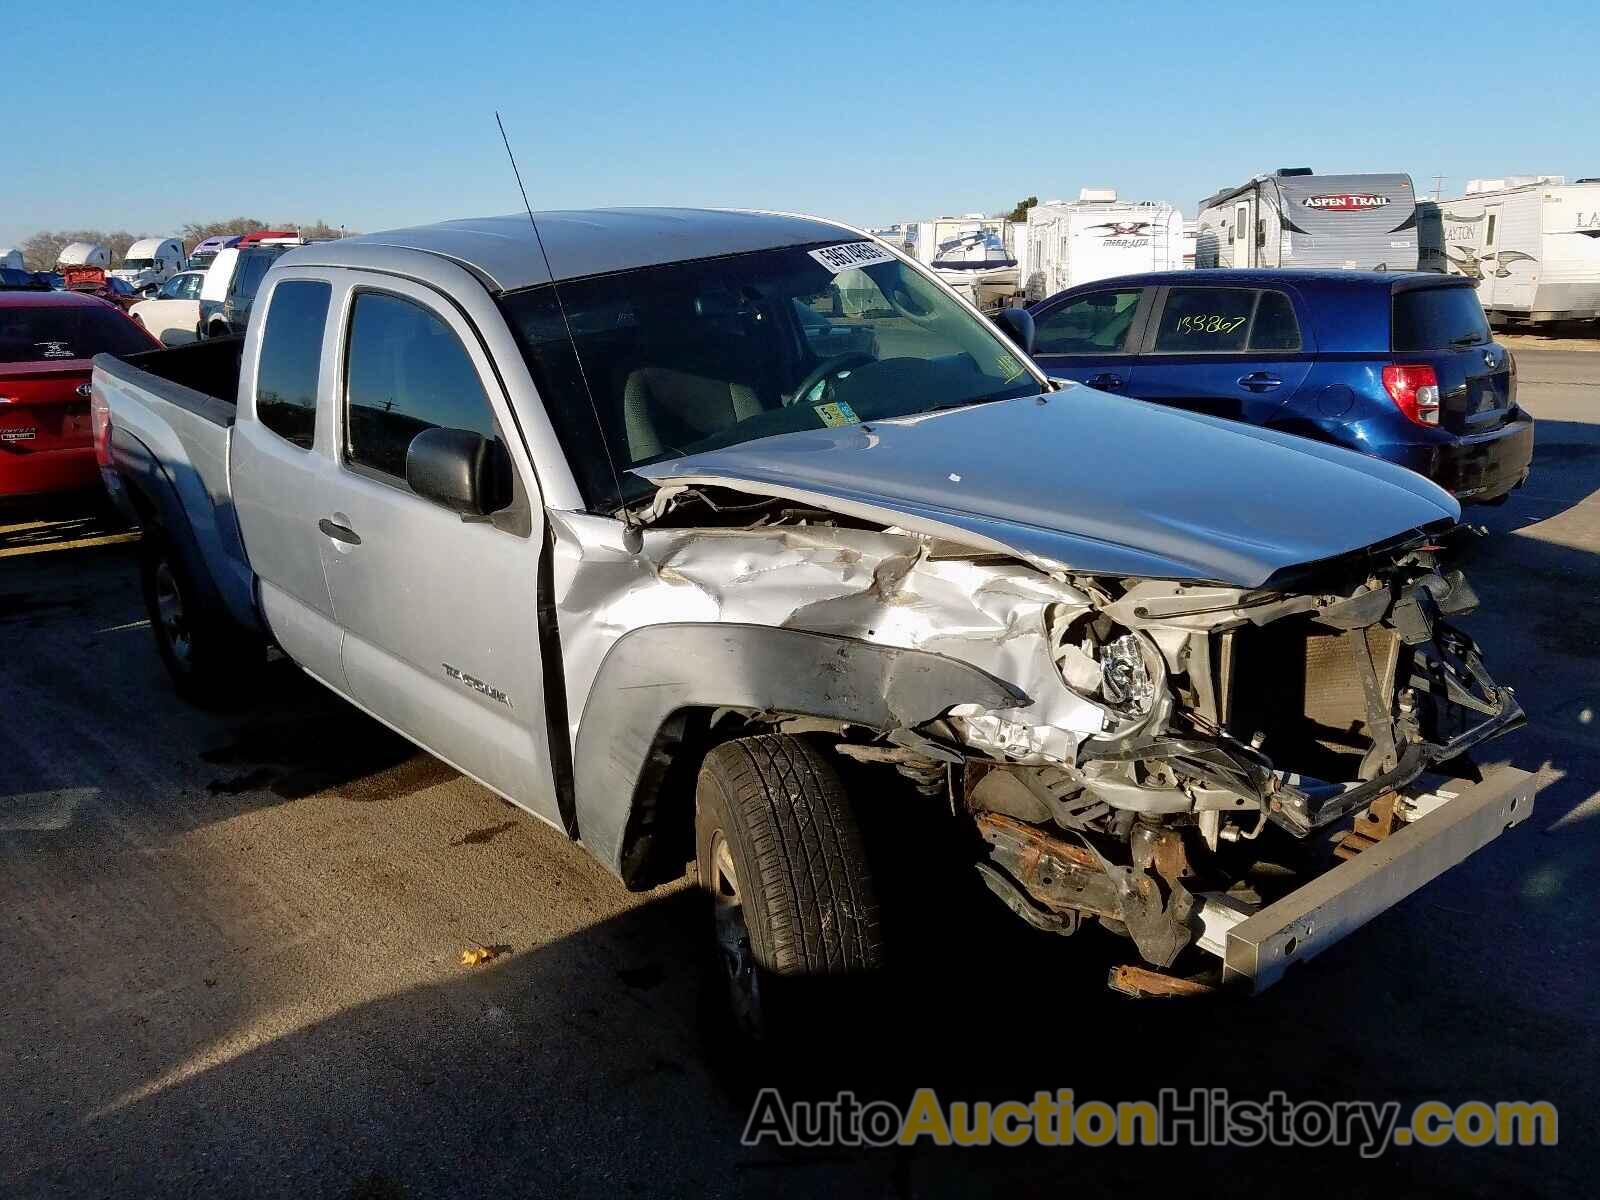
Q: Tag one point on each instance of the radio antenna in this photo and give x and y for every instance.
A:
(631, 535)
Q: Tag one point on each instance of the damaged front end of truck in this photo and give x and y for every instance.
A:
(1164, 757)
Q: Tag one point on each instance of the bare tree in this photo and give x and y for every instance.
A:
(317, 231)
(41, 251)
(198, 231)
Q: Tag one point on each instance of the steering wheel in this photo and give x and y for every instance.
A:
(825, 368)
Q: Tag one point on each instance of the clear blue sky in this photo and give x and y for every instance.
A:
(377, 115)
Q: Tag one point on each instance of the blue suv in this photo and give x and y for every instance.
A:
(1398, 365)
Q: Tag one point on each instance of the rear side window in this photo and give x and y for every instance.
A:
(291, 350)
(1439, 318)
(248, 277)
(1094, 324)
(405, 372)
(1205, 321)
(1226, 320)
(1274, 326)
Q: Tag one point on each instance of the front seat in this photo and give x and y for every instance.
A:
(664, 408)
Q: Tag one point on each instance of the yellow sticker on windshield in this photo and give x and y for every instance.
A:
(836, 414)
(1009, 367)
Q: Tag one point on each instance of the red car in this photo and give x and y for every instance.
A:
(46, 341)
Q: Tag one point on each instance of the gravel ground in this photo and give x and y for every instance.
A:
(232, 945)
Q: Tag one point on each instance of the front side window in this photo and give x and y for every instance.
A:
(1094, 324)
(291, 353)
(709, 353)
(1205, 321)
(405, 371)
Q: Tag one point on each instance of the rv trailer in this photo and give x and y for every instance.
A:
(1530, 242)
(1293, 218)
(969, 253)
(1095, 237)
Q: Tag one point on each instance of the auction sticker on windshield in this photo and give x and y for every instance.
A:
(836, 414)
(851, 255)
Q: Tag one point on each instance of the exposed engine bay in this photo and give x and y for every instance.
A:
(1172, 729)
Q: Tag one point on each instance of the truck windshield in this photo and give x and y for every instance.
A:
(708, 353)
(138, 264)
(54, 333)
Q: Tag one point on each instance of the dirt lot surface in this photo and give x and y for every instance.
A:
(232, 944)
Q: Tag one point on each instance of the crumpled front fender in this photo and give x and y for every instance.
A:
(657, 670)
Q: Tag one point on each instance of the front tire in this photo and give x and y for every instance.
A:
(212, 664)
(780, 854)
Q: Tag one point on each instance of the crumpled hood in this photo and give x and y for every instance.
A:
(1098, 483)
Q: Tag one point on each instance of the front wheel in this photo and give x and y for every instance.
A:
(780, 854)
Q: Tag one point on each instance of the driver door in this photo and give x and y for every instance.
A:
(439, 612)
(1087, 336)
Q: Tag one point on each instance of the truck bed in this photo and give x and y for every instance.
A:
(200, 371)
(172, 414)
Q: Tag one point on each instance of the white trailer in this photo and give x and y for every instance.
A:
(11, 259)
(84, 254)
(1532, 244)
(1294, 218)
(1095, 237)
(969, 252)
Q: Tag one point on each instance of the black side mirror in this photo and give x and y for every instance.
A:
(1017, 324)
(460, 470)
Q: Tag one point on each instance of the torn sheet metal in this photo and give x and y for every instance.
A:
(879, 587)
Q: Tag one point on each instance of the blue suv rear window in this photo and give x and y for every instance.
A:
(1438, 318)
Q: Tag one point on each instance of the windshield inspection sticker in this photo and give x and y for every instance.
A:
(835, 414)
(851, 255)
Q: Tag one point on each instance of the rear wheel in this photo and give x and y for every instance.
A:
(211, 663)
(793, 907)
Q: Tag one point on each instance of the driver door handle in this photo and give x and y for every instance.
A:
(1259, 381)
(338, 532)
(1106, 382)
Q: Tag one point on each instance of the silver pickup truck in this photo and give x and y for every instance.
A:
(697, 534)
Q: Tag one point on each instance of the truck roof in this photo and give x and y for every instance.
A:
(502, 250)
